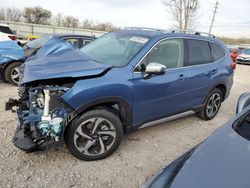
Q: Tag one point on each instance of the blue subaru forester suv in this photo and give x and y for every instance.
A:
(123, 81)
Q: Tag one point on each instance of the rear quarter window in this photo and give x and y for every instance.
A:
(198, 52)
(216, 51)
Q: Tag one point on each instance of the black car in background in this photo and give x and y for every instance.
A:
(10, 71)
(221, 161)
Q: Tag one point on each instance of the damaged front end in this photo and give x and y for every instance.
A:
(43, 117)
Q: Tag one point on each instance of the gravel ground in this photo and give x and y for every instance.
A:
(140, 155)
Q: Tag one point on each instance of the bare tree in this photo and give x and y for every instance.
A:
(70, 21)
(105, 26)
(36, 15)
(11, 14)
(88, 24)
(57, 20)
(14, 14)
(2, 14)
(183, 11)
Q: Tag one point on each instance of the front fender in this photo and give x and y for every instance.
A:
(111, 87)
(81, 95)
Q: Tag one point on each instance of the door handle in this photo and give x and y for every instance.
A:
(181, 77)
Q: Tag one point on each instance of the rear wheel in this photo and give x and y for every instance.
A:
(12, 74)
(95, 135)
(212, 105)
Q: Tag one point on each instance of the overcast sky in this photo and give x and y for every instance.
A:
(232, 19)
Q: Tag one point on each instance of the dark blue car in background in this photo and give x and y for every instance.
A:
(222, 160)
(122, 81)
(13, 55)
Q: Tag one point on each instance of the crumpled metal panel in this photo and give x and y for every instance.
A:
(10, 51)
(59, 59)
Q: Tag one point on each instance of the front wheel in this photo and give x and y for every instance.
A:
(212, 105)
(12, 73)
(95, 135)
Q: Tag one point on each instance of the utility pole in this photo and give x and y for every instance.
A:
(212, 23)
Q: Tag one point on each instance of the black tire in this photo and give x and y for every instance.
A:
(9, 70)
(204, 113)
(85, 124)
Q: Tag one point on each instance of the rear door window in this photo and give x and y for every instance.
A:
(73, 41)
(198, 52)
(216, 51)
(86, 41)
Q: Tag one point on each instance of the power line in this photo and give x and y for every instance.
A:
(215, 10)
(231, 18)
(232, 13)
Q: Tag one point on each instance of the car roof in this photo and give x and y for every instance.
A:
(159, 33)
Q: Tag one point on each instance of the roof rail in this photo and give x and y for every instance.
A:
(189, 31)
(145, 29)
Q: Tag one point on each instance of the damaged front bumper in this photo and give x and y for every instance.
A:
(42, 118)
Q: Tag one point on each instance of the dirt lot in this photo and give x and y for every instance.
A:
(140, 155)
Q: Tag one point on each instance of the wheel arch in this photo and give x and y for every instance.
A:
(223, 89)
(220, 86)
(117, 104)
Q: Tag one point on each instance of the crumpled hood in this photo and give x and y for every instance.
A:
(223, 160)
(10, 51)
(62, 63)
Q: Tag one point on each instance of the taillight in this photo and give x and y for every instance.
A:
(12, 37)
(233, 65)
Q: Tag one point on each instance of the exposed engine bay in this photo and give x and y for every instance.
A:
(43, 117)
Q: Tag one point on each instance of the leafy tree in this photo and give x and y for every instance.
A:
(36, 15)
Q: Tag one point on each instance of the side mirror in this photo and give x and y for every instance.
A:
(243, 102)
(155, 68)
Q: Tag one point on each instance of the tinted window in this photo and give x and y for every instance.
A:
(198, 52)
(5, 30)
(73, 41)
(168, 52)
(217, 52)
(85, 42)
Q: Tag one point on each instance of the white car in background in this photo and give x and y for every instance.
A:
(6, 33)
(244, 57)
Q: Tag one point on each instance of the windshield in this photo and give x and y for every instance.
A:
(246, 51)
(38, 43)
(115, 49)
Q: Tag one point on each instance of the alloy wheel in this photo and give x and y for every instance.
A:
(213, 105)
(94, 136)
(15, 75)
